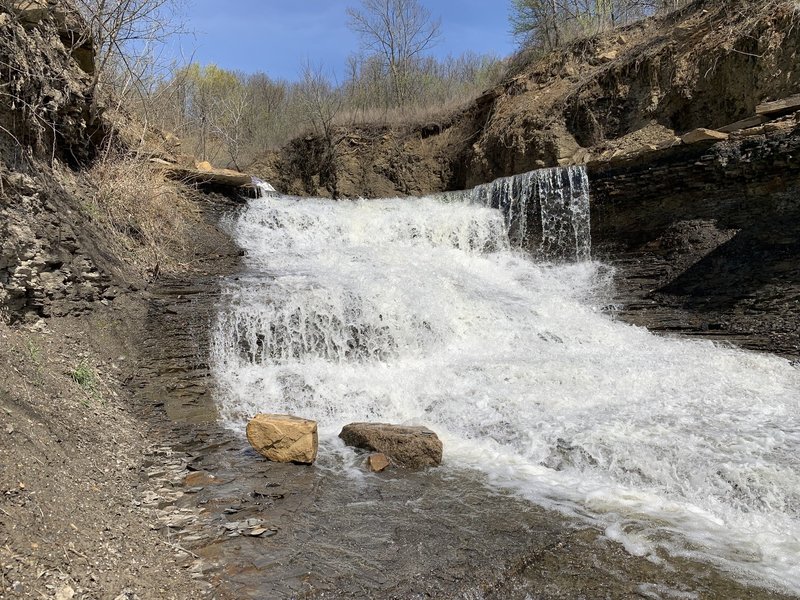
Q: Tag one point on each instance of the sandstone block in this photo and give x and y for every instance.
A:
(30, 11)
(284, 438)
(607, 56)
(410, 447)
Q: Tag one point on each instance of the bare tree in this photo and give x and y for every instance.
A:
(538, 21)
(231, 122)
(398, 31)
(320, 101)
(128, 34)
(549, 23)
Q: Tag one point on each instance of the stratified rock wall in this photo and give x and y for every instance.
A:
(48, 257)
(707, 238)
(47, 109)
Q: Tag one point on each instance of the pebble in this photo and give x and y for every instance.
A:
(65, 593)
(262, 532)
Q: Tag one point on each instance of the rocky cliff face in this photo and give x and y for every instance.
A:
(707, 238)
(80, 499)
(48, 124)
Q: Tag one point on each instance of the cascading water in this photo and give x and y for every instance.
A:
(546, 211)
(426, 311)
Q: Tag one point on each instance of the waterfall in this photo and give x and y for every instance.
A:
(263, 189)
(425, 311)
(546, 211)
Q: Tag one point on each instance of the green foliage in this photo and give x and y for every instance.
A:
(91, 209)
(34, 352)
(84, 376)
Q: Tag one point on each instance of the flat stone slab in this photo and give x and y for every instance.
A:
(220, 177)
(744, 124)
(779, 106)
(703, 135)
(409, 447)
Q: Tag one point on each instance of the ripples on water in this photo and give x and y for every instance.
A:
(425, 311)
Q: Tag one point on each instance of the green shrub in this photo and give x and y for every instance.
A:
(84, 376)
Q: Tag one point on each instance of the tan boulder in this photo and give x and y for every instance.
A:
(410, 447)
(30, 11)
(284, 438)
(608, 56)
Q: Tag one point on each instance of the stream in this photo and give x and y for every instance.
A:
(482, 316)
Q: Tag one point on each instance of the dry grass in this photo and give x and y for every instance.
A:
(149, 218)
(408, 115)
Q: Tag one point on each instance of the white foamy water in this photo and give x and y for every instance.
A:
(421, 311)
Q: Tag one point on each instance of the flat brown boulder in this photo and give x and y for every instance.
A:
(283, 438)
(784, 105)
(410, 447)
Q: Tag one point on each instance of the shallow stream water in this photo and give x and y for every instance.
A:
(434, 311)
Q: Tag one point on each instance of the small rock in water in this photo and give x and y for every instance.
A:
(410, 447)
(199, 478)
(284, 438)
(377, 462)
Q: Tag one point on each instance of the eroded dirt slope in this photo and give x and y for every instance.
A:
(630, 90)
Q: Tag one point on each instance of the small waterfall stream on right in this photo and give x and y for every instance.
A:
(479, 315)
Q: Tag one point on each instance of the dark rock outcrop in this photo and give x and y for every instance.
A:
(46, 59)
(707, 238)
(409, 447)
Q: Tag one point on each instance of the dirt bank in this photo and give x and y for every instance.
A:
(78, 495)
(627, 91)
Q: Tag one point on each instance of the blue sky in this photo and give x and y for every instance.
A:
(279, 36)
